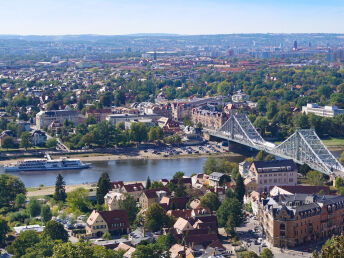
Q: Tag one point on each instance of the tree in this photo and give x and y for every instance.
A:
(155, 133)
(7, 142)
(271, 109)
(231, 207)
(4, 229)
(210, 201)
(156, 218)
(106, 236)
(149, 251)
(180, 189)
(209, 166)
(333, 247)
(128, 203)
(148, 183)
(178, 175)
(60, 191)
(103, 187)
(170, 240)
(51, 143)
(25, 240)
(34, 208)
(315, 178)
(230, 226)
(239, 190)
(44, 248)
(10, 186)
(156, 184)
(266, 253)
(19, 201)
(138, 132)
(26, 140)
(46, 213)
(261, 123)
(55, 231)
(78, 200)
(260, 156)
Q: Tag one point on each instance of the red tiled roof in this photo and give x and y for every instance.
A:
(117, 184)
(152, 192)
(115, 216)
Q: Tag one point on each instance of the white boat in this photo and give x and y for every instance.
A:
(46, 164)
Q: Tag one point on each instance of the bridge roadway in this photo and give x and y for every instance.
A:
(304, 146)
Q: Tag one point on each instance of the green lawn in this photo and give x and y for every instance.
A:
(334, 142)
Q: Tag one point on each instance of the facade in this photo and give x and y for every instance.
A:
(111, 200)
(98, 114)
(148, 197)
(270, 173)
(327, 111)
(208, 118)
(214, 179)
(45, 118)
(115, 222)
(168, 125)
(292, 220)
(39, 138)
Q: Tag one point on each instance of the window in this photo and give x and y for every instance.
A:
(291, 179)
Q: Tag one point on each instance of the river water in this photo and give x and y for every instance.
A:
(119, 170)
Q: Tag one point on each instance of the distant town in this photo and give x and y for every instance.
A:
(264, 113)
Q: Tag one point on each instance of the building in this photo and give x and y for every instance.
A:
(240, 97)
(45, 118)
(20, 229)
(148, 197)
(270, 173)
(134, 190)
(292, 220)
(210, 119)
(244, 168)
(327, 111)
(299, 189)
(117, 118)
(115, 222)
(111, 200)
(98, 114)
(215, 178)
(39, 138)
(168, 125)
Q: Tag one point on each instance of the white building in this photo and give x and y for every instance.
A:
(327, 111)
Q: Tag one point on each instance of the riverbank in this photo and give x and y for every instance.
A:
(49, 190)
(140, 156)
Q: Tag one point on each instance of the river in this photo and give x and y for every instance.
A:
(119, 170)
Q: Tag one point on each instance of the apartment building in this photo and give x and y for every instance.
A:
(291, 220)
(266, 174)
(45, 118)
(210, 119)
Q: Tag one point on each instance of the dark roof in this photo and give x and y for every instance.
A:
(185, 180)
(202, 239)
(305, 189)
(185, 214)
(134, 187)
(283, 165)
(116, 184)
(114, 216)
(152, 192)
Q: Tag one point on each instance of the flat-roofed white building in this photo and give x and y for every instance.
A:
(326, 111)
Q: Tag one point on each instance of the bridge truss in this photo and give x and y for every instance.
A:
(304, 146)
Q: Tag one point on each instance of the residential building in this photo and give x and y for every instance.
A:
(7, 133)
(299, 189)
(292, 220)
(210, 119)
(45, 118)
(327, 111)
(168, 125)
(182, 225)
(39, 138)
(134, 189)
(270, 173)
(98, 114)
(115, 222)
(215, 178)
(244, 168)
(111, 200)
(148, 197)
(240, 97)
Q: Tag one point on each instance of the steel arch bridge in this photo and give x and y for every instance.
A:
(304, 146)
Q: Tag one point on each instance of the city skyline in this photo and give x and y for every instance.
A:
(107, 17)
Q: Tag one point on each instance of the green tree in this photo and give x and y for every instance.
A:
(51, 143)
(170, 240)
(210, 201)
(78, 200)
(149, 251)
(19, 201)
(60, 191)
(106, 236)
(266, 253)
(231, 207)
(34, 207)
(239, 190)
(103, 187)
(156, 218)
(155, 133)
(315, 178)
(334, 247)
(25, 240)
(156, 184)
(178, 175)
(209, 166)
(271, 109)
(261, 123)
(44, 248)
(230, 227)
(7, 142)
(26, 140)
(128, 203)
(55, 231)
(180, 189)
(46, 213)
(148, 183)
(10, 186)
(4, 229)
(138, 132)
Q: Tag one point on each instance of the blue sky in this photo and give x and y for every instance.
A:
(114, 17)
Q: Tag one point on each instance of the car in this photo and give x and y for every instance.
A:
(256, 242)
